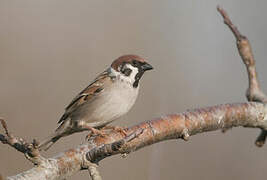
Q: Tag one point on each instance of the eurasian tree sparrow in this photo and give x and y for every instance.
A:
(111, 95)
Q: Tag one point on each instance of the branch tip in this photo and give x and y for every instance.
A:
(229, 23)
(261, 139)
(4, 125)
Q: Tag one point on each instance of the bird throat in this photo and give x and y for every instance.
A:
(138, 77)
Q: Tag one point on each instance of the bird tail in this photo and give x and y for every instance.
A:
(60, 132)
(49, 141)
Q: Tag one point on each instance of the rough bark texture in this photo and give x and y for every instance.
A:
(173, 126)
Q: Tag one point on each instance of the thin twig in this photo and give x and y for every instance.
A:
(4, 125)
(254, 92)
(30, 150)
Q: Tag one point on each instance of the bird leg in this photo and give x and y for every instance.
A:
(94, 131)
(117, 129)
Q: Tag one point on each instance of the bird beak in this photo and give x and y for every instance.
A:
(146, 67)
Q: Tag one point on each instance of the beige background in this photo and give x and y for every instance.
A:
(51, 49)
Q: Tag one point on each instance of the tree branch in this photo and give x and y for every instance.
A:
(100, 152)
(254, 92)
(174, 126)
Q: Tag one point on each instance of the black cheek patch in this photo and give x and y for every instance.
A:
(127, 72)
(124, 70)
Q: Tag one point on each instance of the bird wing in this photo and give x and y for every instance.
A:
(96, 87)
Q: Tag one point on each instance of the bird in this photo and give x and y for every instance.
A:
(108, 97)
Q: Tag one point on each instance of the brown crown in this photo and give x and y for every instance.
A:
(125, 59)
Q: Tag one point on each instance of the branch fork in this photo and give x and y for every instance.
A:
(30, 150)
(253, 93)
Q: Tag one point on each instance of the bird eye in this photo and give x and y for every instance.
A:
(134, 62)
(127, 71)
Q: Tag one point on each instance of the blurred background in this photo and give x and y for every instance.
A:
(50, 50)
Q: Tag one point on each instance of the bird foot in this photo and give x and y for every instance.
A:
(94, 132)
(117, 129)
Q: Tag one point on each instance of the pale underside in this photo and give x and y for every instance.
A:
(115, 100)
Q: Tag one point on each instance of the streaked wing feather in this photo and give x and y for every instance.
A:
(90, 91)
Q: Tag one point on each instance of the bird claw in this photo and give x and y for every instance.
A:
(94, 132)
(119, 129)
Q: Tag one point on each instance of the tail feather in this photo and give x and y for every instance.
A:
(60, 132)
(49, 141)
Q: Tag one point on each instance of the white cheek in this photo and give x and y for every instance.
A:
(128, 79)
(133, 73)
